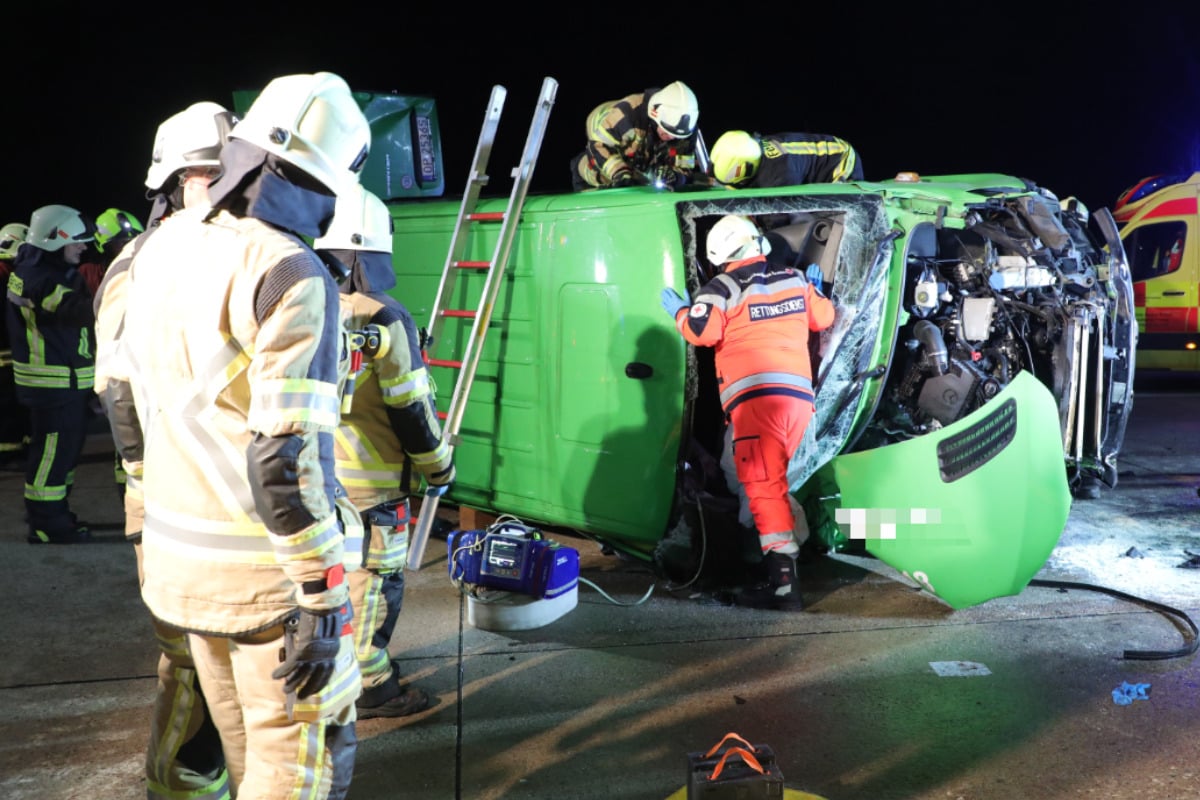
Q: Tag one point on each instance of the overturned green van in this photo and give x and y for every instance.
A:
(979, 370)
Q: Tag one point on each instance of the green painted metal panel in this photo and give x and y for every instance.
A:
(555, 429)
(972, 511)
(406, 143)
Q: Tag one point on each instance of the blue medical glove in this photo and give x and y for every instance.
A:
(672, 302)
(816, 278)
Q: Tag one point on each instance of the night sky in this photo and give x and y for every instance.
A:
(1084, 102)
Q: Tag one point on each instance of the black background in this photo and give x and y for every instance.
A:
(1082, 99)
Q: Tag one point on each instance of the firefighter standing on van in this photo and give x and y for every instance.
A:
(783, 159)
(231, 347)
(757, 316)
(647, 137)
(389, 435)
(50, 328)
(184, 758)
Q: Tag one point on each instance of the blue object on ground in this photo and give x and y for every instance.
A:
(1127, 692)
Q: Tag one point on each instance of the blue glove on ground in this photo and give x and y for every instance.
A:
(816, 278)
(672, 302)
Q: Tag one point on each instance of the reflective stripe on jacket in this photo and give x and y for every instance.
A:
(392, 416)
(49, 320)
(757, 316)
(230, 345)
(795, 158)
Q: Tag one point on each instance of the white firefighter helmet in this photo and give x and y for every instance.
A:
(734, 238)
(675, 110)
(361, 221)
(735, 157)
(191, 138)
(313, 122)
(12, 236)
(54, 227)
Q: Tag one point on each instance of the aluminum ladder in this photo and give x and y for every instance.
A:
(468, 219)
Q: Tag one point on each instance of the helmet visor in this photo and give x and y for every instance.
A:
(682, 128)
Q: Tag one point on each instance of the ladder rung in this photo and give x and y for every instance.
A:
(441, 362)
(488, 216)
(471, 264)
(458, 312)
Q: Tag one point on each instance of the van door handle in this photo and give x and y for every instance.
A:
(638, 370)
(1172, 294)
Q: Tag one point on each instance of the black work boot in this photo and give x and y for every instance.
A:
(62, 531)
(780, 590)
(390, 699)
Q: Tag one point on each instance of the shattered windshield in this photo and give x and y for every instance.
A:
(848, 236)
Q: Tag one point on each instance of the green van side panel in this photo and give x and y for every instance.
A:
(970, 512)
(576, 340)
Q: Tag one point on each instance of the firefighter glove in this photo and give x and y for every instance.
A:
(672, 302)
(310, 646)
(439, 483)
(816, 278)
(623, 178)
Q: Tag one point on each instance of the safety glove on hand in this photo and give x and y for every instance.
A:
(437, 485)
(816, 278)
(623, 178)
(310, 646)
(672, 302)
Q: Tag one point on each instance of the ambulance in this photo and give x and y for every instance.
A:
(1158, 219)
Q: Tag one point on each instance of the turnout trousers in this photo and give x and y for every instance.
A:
(272, 754)
(184, 760)
(377, 593)
(56, 438)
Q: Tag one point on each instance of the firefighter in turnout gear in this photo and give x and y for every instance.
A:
(757, 317)
(184, 759)
(389, 436)
(645, 138)
(227, 372)
(50, 329)
(14, 419)
(114, 229)
(783, 159)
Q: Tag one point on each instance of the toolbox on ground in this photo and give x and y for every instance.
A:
(734, 769)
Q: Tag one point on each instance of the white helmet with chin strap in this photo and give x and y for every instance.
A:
(675, 110)
(52, 228)
(312, 122)
(360, 222)
(734, 238)
(191, 138)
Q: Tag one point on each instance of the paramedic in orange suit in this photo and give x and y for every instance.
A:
(757, 316)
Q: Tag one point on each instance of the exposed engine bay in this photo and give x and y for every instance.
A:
(1023, 286)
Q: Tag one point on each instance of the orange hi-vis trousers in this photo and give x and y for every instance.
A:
(767, 430)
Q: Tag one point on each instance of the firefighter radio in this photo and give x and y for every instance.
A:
(533, 580)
